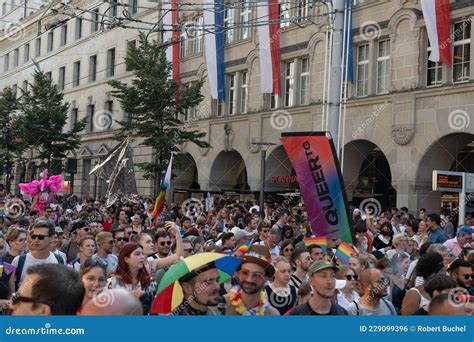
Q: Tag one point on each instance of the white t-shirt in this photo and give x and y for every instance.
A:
(32, 261)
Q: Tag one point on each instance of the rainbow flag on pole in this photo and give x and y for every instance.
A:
(344, 252)
(161, 198)
(319, 240)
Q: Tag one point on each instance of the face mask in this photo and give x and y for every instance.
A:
(385, 233)
(364, 247)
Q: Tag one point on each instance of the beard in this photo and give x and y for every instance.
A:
(250, 288)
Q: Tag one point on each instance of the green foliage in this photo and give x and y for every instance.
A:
(43, 116)
(152, 108)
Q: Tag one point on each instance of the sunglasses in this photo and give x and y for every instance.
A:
(121, 239)
(16, 298)
(93, 262)
(87, 229)
(265, 230)
(382, 281)
(289, 249)
(162, 243)
(258, 276)
(352, 277)
(134, 233)
(468, 276)
(38, 237)
(188, 250)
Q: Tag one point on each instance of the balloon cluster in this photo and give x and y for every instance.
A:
(43, 190)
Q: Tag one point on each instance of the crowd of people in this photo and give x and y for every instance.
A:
(81, 257)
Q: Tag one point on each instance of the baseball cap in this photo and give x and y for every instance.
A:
(321, 265)
(465, 230)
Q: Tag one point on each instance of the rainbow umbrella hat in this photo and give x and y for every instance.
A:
(170, 293)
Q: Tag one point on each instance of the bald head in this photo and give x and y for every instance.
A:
(373, 283)
(115, 302)
(367, 276)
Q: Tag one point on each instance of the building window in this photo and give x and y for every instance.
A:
(229, 24)
(110, 63)
(74, 117)
(232, 94)
(4, 8)
(304, 81)
(38, 47)
(130, 43)
(64, 35)
(92, 68)
(50, 41)
(363, 70)
(90, 118)
(133, 7)
(113, 12)
(190, 113)
(76, 74)
(6, 62)
(217, 107)
(26, 55)
(62, 78)
(109, 109)
(245, 17)
(25, 86)
(434, 72)
(274, 101)
(15, 89)
(289, 84)
(78, 28)
(196, 39)
(48, 75)
(16, 57)
(95, 21)
(243, 91)
(183, 44)
(305, 8)
(461, 55)
(383, 67)
(284, 9)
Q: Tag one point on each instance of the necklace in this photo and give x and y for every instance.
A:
(239, 306)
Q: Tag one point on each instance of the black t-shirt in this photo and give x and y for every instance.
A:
(306, 310)
(282, 304)
(8, 258)
(4, 280)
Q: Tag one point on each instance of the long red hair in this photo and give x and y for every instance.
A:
(123, 271)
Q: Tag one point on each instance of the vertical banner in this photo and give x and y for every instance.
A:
(269, 46)
(172, 35)
(314, 159)
(214, 47)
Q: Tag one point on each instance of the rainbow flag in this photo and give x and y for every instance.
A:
(242, 249)
(161, 198)
(319, 240)
(344, 252)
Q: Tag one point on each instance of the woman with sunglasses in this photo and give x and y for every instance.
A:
(86, 251)
(133, 275)
(347, 294)
(305, 231)
(287, 248)
(93, 274)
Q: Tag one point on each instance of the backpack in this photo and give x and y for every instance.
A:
(21, 264)
(393, 313)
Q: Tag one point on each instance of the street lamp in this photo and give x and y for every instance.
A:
(262, 169)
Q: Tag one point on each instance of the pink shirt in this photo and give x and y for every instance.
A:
(453, 246)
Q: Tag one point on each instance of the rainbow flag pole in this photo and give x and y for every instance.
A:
(161, 198)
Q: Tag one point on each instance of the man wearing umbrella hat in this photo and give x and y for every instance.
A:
(250, 298)
(201, 290)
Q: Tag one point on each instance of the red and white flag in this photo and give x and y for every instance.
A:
(171, 35)
(269, 36)
(438, 22)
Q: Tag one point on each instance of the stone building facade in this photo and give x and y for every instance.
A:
(404, 117)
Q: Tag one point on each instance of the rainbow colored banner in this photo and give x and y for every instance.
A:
(314, 159)
(161, 198)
